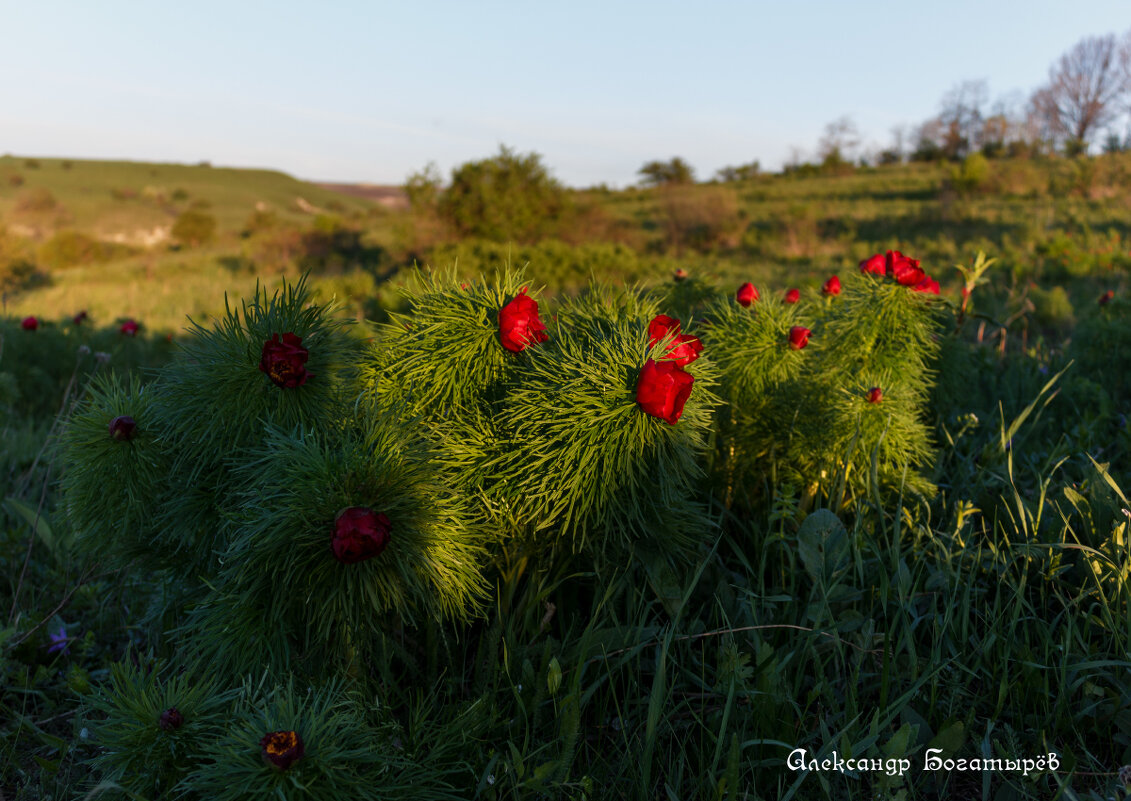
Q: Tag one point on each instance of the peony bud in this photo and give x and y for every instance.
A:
(793, 295)
(171, 719)
(747, 294)
(1106, 297)
(29, 323)
(80, 318)
(799, 337)
(875, 395)
(662, 389)
(359, 534)
(129, 328)
(122, 428)
(680, 274)
(519, 324)
(284, 361)
(281, 749)
(831, 287)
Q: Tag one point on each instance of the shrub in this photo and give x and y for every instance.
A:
(506, 198)
(701, 218)
(71, 248)
(193, 228)
(972, 175)
(35, 200)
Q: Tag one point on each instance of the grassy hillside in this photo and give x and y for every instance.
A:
(128, 201)
(1051, 221)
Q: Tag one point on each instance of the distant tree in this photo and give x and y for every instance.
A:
(960, 116)
(658, 173)
(1086, 90)
(423, 187)
(839, 142)
(743, 172)
(506, 198)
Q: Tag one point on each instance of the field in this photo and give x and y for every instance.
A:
(904, 538)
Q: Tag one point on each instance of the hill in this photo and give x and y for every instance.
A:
(135, 203)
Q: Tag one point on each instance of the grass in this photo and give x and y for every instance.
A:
(990, 621)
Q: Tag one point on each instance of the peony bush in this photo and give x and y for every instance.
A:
(326, 511)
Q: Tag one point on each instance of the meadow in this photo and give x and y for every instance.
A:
(939, 570)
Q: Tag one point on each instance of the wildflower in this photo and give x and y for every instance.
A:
(684, 349)
(122, 428)
(281, 749)
(59, 642)
(875, 395)
(284, 361)
(747, 294)
(129, 328)
(799, 337)
(29, 323)
(793, 295)
(662, 389)
(831, 287)
(519, 324)
(359, 534)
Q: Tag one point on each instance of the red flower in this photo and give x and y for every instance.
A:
(122, 428)
(684, 349)
(831, 287)
(29, 323)
(799, 337)
(171, 719)
(80, 318)
(662, 389)
(747, 294)
(129, 328)
(792, 296)
(519, 324)
(679, 274)
(285, 361)
(874, 264)
(928, 285)
(281, 749)
(904, 270)
(359, 534)
(875, 395)
(1106, 297)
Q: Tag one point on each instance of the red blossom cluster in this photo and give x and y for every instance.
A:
(664, 386)
(902, 269)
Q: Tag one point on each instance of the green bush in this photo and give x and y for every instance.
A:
(193, 228)
(506, 198)
(72, 249)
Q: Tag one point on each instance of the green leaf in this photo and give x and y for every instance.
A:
(950, 738)
(822, 544)
(37, 521)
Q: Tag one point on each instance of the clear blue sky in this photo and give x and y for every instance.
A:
(370, 91)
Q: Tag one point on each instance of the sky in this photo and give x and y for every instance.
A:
(370, 92)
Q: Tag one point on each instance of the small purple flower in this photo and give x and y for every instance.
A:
(59, 642)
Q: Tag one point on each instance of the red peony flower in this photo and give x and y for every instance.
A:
(799, 337)
(129, 328)
(281, 749)
(831, 287)
(80, 318)
(662, 389)
(680, 274)
(171, 719)
(874, 264)
(519, 324)
(29, 323)
(793, 295)
(904, 270)
(875, 395)
(359, 534)
(122, 428)
(928, 285)
(285, 361)
(1107, 297)
(747, 294)
(684, 349)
